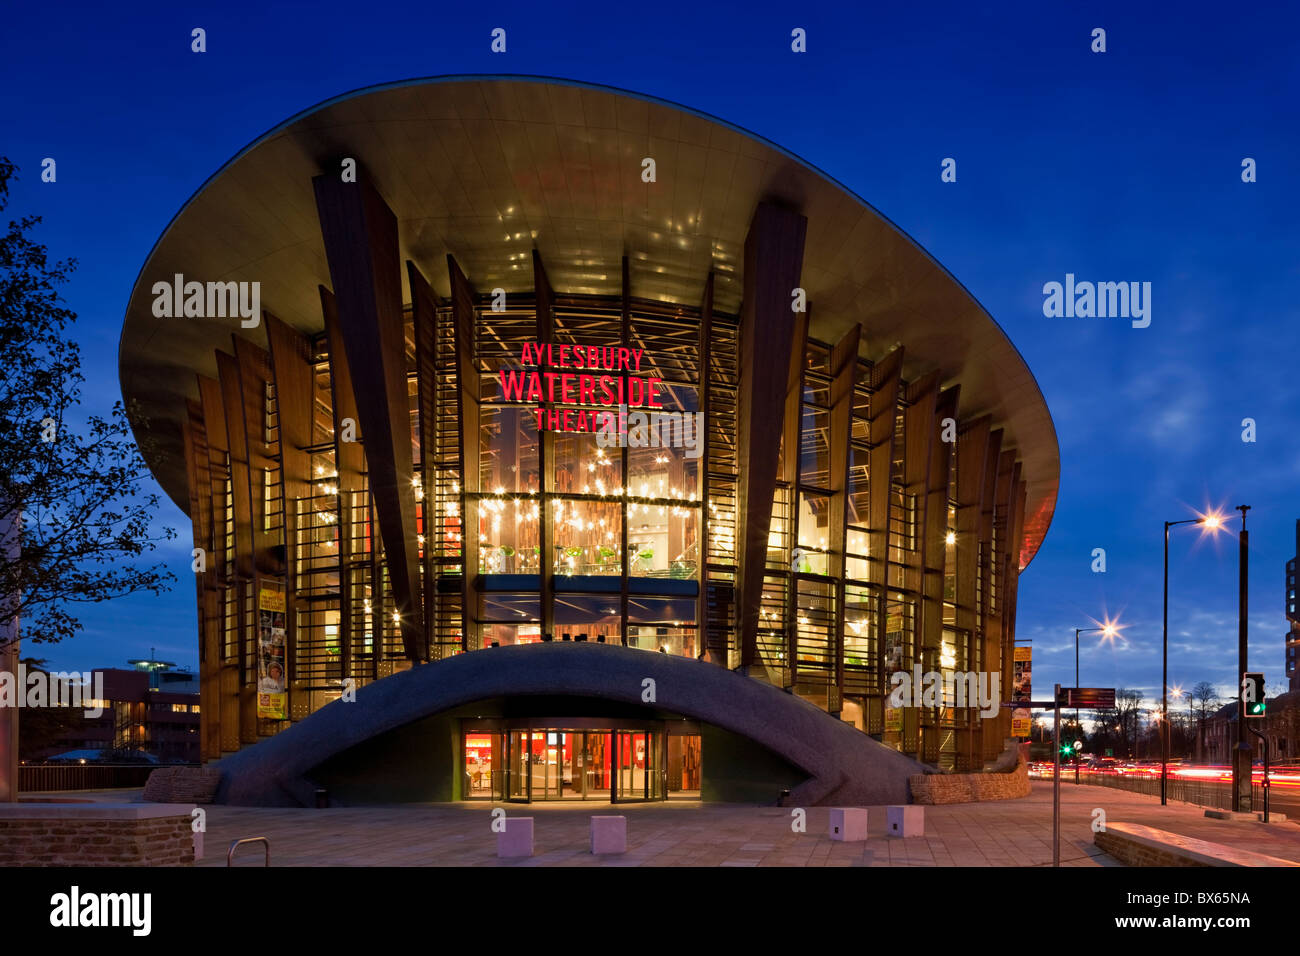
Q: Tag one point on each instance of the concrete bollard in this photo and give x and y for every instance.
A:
(516, 839)
(609, 834)
(906, 820)
(848, 824)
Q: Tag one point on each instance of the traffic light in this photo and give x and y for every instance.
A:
(1252, 694)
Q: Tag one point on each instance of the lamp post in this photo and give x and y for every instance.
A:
(1109, 630)
(1241, 758)
(1213, 522)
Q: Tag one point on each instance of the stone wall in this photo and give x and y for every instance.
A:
(937, 788)
(1136, 845)
(96, 834)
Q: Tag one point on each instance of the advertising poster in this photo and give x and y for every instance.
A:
(272, 675)
(1021, 689)
(1022, 674)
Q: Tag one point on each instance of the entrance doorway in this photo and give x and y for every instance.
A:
(640, 774)
(618, 765)
(557, 764)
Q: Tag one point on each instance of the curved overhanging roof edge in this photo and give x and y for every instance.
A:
(1043, 507)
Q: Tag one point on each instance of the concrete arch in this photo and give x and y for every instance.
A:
(844, 766)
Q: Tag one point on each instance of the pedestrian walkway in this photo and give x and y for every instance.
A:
(1004, 833)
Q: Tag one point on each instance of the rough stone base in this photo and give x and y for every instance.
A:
(937, 788)
(182, 785)
(96, 834)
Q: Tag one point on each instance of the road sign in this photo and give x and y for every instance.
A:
(1095, 698)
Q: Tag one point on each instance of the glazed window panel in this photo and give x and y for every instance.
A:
(509, 534)
(858, 550)
(588, 617)
(810, 556)
(413, 403)
(583, 466)
(815, 618)
(322, 406)
(505, 635)
(508, 450)
(663, 540)
(666, 472)
(512, 607)
(681, 641)
(660, 610)
(900, 628)
(587, 537)
(814, 448)
(859, 627)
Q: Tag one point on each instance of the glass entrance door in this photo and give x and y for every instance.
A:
(558, 764)
(640, 762)
(518, 766)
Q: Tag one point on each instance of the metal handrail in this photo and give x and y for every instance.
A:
(235, 844)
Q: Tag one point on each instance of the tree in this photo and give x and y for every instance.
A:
(70, 482)
(1118, 725)
(1205, 703)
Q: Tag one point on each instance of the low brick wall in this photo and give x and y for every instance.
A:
(937, 788)
(1136, 845)
(96, 834)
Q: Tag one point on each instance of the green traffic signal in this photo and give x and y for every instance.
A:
(1253, 695)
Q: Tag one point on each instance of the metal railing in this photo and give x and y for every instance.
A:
(236, 844)
(41, 778)
(1213, 794)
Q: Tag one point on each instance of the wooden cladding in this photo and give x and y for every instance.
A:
(768, 329)
(360, 234)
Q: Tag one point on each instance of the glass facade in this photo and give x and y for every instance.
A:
(545, 510)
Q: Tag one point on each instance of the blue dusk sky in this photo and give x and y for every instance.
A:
(1117, 166)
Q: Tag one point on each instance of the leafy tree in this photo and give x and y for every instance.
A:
(70, 483)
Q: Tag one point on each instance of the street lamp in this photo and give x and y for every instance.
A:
(1211, 522)
(1109, 630)
(1241, 762)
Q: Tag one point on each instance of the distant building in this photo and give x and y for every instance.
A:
(1280, 725)
(148, 712)
(1293, 635)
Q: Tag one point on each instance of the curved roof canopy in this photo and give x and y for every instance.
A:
(488, 167)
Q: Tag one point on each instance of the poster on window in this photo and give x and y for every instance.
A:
(272, 696)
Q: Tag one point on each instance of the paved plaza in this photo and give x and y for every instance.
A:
(1005, 833)
(1002, 833)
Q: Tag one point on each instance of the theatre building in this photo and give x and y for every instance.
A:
(544, 441)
